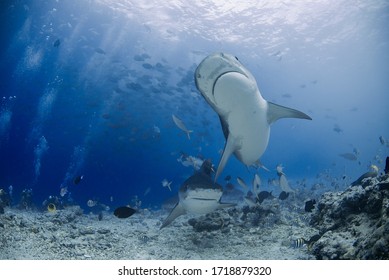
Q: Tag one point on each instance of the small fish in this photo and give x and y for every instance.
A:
(91, 203)
(166, 184)
(283, 195)
(228, 178)
(309, 205)
(298, 243)
(256, 184)
(156, 130)
(100, 51)
(63, 191)
(349, 156)
(147, 191)
(124, 212)
(181, 126)
(372, 173)
(280, 169)
(242, 183)
(387, 165)
(264, 195)
(337, 128)
(382, 140)
(100, 216)
(78, 179)
(57, 43)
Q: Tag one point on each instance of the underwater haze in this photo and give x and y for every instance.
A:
(88, 88)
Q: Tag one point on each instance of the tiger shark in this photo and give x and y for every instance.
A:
(199, 194)
(245, 116)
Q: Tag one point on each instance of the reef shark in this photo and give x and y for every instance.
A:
(245, 116)
(199, 194)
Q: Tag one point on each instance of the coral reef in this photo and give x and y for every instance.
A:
(354, 224)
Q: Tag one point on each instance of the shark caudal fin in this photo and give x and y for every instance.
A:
(276, 112)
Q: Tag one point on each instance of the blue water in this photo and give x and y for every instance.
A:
(88, 105)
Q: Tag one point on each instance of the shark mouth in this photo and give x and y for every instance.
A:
(217, 79)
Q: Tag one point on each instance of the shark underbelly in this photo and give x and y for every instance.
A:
(240, 104)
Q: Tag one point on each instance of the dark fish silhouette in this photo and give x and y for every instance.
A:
(387, 165)
(124, 212)
(283, 195)
(78, 179)
(264, 195)
(228, 178)
(100, 51)
(309, 205)
(57, 43)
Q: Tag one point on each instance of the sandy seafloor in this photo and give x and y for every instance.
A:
(348, 224)
(69, 234)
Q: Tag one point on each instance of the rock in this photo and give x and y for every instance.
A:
(353, 224)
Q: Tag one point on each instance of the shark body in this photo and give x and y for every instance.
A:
(245, 116)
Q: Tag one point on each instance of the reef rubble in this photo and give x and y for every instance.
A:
(354, 224)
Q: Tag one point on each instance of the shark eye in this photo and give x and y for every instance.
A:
(236, 58)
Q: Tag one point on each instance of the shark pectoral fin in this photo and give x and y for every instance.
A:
(230, 147)
(178, 210)
(276, 112)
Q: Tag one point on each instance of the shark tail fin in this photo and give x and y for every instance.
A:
(178, 210)
(276, 112)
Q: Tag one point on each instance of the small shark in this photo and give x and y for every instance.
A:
(245, 116)
(199, 194)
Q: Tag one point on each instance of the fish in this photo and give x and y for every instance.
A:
(63, 191)
(91, 203)
(123, 212)
(337, 128)
(227, 178)
(166, 184)
(245, 116)
(298, 243)
(57, 43)
(242, 183)
(264, 195)
(179, 123)
(78, 179)
(283, 195)
(382, 140)
(186, 161)
(198, 194)
(147, 191)
(386, 170)
(309, 205)
(372, 173)
(256, 184)
(282, 181)
(349, 156)
(100, 51)
(280, 170)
